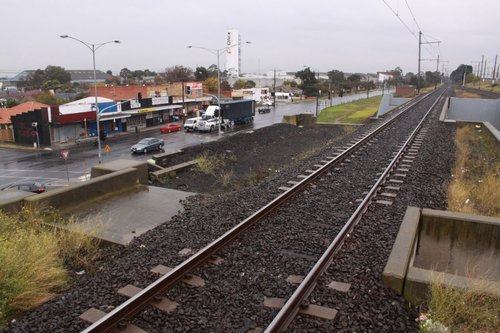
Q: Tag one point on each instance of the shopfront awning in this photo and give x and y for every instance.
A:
(113, 117)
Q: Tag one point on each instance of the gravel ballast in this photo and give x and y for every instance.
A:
(287, 242)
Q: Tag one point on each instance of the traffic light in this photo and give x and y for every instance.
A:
(188, 90)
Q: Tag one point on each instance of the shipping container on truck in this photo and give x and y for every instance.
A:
(239, 112)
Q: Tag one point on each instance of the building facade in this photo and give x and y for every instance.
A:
(233, 53)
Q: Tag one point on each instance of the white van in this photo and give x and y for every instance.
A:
(190, 124)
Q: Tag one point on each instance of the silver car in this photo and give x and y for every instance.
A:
(147, 144)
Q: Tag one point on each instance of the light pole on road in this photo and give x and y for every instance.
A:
(217, 53)
(93, 48)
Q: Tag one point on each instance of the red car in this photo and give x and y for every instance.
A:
(170, 128)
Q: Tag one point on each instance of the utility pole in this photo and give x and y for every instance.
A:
(183, 104)
(481, 72)
(494, 67)
(274, 89)
(419, 53)
(420, 58)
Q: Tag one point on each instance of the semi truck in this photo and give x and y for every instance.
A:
(234, 112)
(238, 112)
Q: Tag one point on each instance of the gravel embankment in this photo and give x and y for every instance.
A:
(285, 243)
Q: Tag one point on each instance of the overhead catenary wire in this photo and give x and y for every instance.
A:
(425, 45)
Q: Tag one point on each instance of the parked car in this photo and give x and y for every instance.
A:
(170, 128)
(25, 185)
(147, 144)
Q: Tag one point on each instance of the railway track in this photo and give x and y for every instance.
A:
(482, 92)
(254, 277)
(309, 181)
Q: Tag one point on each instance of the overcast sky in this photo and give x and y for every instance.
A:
(349, 35)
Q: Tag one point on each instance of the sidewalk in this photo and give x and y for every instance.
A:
(72, 144)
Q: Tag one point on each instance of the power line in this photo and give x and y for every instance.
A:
(400, 19)
(414, 19)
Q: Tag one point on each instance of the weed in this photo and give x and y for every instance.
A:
(476, 175)
(474, 309)
(208, 164)
(33, 254)
(226, 178)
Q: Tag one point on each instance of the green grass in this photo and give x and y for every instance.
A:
(33, 260)
(351, 113)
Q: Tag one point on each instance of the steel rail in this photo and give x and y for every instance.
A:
(124, 313)
(288, 312)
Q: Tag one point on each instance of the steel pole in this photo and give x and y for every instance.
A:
(218, 87)
(96, 108)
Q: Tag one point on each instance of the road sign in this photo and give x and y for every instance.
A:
(107, 149)
(65, 154)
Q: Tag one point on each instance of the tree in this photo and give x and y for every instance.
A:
(337, 78)
(51, 85)
(158, 79)
(178, 73)
(411, 79)
(114, 80)
(432, 78)
(201, 74)
(309, 82)
(36, 79)
(397, 76)
(11, 102)
(290, 83)
(48, 98)
(126, 73)
(57, 73)
(250, 84)
(109, 72)
(212, 70)
(353, 81)
(458, 74)
(225, 86)
(239, 84)
(210, 84)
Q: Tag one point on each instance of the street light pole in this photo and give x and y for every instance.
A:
(93, 48)
(218, 87)
(216, 52)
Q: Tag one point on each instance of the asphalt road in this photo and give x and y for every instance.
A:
(48, 167)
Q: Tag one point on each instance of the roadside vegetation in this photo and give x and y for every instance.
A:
(474, 190)
(487, 85)
(476, 175)
(351, 113)
(35, 259)
(466, 94)
(474, 309)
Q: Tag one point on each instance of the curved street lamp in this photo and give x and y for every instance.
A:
(216, 52)
(93, 48)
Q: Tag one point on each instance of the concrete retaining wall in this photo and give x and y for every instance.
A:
(412, 282)
(390, 102)
(494, 131)
(475, 109)
(66, 197)
(122, 164)
(304, 119)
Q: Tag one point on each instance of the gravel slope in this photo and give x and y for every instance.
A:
(276, 152)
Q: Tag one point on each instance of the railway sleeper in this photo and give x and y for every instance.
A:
(93, 315)
(313, 310)
(161, 303)
(190, 280)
